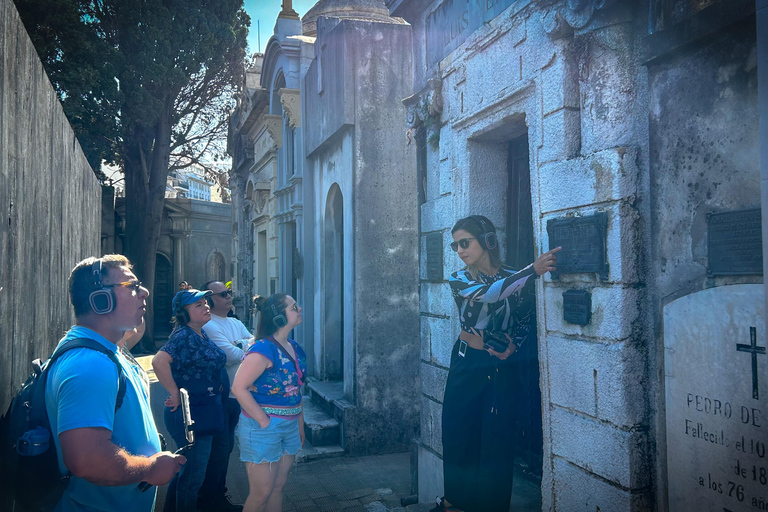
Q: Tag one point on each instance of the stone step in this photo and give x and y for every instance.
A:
(325, 393)
(309, 452)
(320, 429)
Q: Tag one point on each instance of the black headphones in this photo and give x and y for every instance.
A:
(102, 299)
(487, 239)
(278, 319)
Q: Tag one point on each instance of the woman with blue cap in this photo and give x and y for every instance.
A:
(190, 360)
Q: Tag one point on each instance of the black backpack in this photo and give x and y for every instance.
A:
(30, 467)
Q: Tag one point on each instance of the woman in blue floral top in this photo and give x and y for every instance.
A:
(190, 360)
(268, 388)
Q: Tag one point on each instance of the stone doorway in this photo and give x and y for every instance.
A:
(333, 287)
(520, 253)
(163, 296)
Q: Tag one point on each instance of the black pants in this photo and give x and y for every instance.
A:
(215, 484)
(478, 432)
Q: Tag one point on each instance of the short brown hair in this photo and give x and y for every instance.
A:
(82, 284)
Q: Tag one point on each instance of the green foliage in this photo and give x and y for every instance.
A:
(120, 67)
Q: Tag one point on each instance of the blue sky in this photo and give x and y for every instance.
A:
(267, 11)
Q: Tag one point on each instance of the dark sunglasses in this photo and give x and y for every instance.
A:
(134, 284)
(463, 243)
(224, 294)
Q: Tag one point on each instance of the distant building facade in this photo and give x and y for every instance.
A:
(319, 157)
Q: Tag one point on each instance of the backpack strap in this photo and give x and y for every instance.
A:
(94, 345)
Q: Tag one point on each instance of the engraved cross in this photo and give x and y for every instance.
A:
(753, 349)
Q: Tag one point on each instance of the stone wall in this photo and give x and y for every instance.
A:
(569, 77)
(704, 158)
(51, 208)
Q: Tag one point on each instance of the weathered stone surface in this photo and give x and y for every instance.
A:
(430, 476)
(616, 455)
(436, 214)
(561, 136)
(604, 176)
(433, 380)
(436, 299)
(431, 425)
(602, 380)
(576, 490)
(560, 85)
(614, 312)
(716, 375)
(439, 340)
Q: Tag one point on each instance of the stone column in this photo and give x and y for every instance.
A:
(594, 95)
(178, 260)
(762, 76)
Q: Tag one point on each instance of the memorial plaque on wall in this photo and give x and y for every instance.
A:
(435, 257)
(735, 243)
(716, 391)
(583, 244)
(577, 306)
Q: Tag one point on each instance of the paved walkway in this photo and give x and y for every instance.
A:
(374, 483)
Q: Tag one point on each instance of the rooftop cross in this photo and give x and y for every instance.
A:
(287, 10)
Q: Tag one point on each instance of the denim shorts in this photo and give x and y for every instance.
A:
(260, 445)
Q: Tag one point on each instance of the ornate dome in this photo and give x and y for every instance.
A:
(373, 10)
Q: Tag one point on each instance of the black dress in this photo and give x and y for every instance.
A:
(478, 417)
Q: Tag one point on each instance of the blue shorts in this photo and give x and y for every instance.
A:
(260, 445)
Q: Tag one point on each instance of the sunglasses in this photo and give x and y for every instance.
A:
(224, 294)
(134, 284)
(463, 243)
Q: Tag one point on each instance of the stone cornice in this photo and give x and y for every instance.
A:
(574, 15)
(274, 125)
(426, 102)
(291, 101)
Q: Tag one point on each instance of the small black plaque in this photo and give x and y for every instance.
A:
(735, 243)
(583, 244)
(435, 257)
(577, 307)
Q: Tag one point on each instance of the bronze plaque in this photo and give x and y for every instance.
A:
(435, 256)
(577, 306)
(583, 244)
(735, 243)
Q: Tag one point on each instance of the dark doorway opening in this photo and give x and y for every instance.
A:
(333, 283)
(520, 253)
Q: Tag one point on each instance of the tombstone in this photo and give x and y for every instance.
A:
(716, 373)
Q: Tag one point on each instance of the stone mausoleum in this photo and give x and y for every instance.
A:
(626, 132)
(629, 134)
(320, 163)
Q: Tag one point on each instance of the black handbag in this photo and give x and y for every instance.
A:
(206, 403)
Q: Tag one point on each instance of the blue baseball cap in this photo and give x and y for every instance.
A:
(185, 297)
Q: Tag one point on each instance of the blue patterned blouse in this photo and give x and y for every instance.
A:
(278, 389)
(195, 357)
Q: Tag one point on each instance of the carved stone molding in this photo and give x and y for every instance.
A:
(574, 15)
(274, 126)
(260, 201)
(291, 100)
(430, 96)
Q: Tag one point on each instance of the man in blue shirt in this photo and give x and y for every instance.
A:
(107, 452)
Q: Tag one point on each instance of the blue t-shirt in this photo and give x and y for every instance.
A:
(80, 393)
(279, 385)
